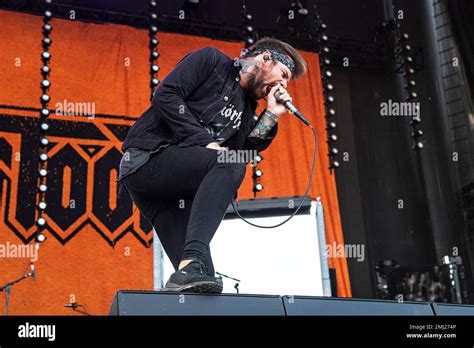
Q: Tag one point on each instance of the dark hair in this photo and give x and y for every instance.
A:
(283, 47)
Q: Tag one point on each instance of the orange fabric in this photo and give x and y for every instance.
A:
(108, 65)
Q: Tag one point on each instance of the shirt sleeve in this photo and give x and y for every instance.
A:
(169, 97)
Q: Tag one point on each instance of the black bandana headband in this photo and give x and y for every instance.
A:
(282, 58)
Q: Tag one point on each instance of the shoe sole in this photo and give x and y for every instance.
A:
(197, 287)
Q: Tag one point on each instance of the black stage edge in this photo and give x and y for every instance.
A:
(164, 303)
(135, 303)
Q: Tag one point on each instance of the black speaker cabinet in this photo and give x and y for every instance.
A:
(168, 303)
(301, 305)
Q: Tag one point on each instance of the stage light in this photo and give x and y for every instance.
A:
(46, 55)
(46, 42)
(249, 32)
(47, 28)
(44, 112)
(45, 84)
(327, 87)
(44, 126)
(303, 11)
(41, 221)
(40, 238)
(258, 187)
(154, 42)
(258, 173)
(45, 69)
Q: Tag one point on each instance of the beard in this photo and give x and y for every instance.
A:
(256, 88)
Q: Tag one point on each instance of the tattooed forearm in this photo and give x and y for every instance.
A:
(247, 63)
(264, 125)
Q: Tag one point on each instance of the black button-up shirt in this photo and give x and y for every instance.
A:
(186, 107)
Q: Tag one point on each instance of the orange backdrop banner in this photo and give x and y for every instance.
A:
(95, 243)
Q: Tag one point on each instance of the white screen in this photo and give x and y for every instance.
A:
(278, 261)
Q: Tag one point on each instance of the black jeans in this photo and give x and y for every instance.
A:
(184, 193)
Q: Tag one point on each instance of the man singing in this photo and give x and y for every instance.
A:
(171, 166)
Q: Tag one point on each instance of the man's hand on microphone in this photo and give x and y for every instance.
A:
(217, 147)
(272, 113)
(273, 105)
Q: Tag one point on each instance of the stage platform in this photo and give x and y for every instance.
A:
(160, 303)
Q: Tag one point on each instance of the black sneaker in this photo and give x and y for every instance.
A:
(194, 278)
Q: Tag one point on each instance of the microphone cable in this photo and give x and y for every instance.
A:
(305, 195)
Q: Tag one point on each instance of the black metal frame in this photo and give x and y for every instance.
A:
(364, 54)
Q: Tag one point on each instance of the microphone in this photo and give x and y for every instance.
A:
(291, 108)
(33, 273)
